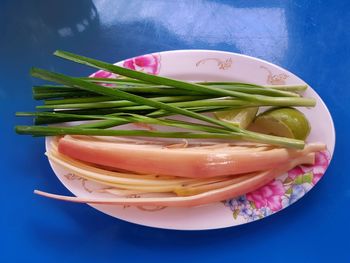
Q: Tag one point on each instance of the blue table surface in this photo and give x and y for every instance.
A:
(309, 38)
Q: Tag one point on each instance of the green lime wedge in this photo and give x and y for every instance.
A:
(238, 117)
(284, 122)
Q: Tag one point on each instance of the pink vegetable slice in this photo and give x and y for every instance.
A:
(192, 162)
(250, 183)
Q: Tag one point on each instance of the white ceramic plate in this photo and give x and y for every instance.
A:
(205, 65)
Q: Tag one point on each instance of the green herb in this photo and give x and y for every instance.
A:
(145, 98)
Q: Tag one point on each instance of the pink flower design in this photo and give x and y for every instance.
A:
(318, 169)
(102, 74)
(269, 196)
(148, 63)
(295, 172)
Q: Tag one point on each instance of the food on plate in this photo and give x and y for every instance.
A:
(192, 161)
(166, 141)
(285, 122)
(177, 191)
(238, 117)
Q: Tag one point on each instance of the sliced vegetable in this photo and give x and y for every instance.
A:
(241, 186)
(193, 162)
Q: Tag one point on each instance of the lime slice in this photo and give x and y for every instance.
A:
(284, 122)
(238, 117)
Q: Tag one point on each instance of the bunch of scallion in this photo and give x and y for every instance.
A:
(144, 98)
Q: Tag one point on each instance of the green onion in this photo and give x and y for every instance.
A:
(78, 100)
(227, 103)
(54, 131)
(115, 93)
(53, 95)
(162, 80)
(62, 79)
(115, 104)
(292, 88)
(126, 118)
(151, 89)
(123, 81)
(233, 86)
(46, 119)
(151, 97)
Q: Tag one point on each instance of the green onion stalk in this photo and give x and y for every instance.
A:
(140, 97)
(235, 131)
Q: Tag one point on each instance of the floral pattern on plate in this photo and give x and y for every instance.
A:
(104, 74)
(148, 63)
(279, 193)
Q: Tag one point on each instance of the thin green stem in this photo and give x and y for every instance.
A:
(126, 118)
(115, 93)
(204, 89)
(54, 131)
(123, 81)
(229, 103)
(116, 104)
(104, 123)
(78, 100)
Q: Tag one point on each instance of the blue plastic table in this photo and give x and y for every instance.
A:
(309, 38)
